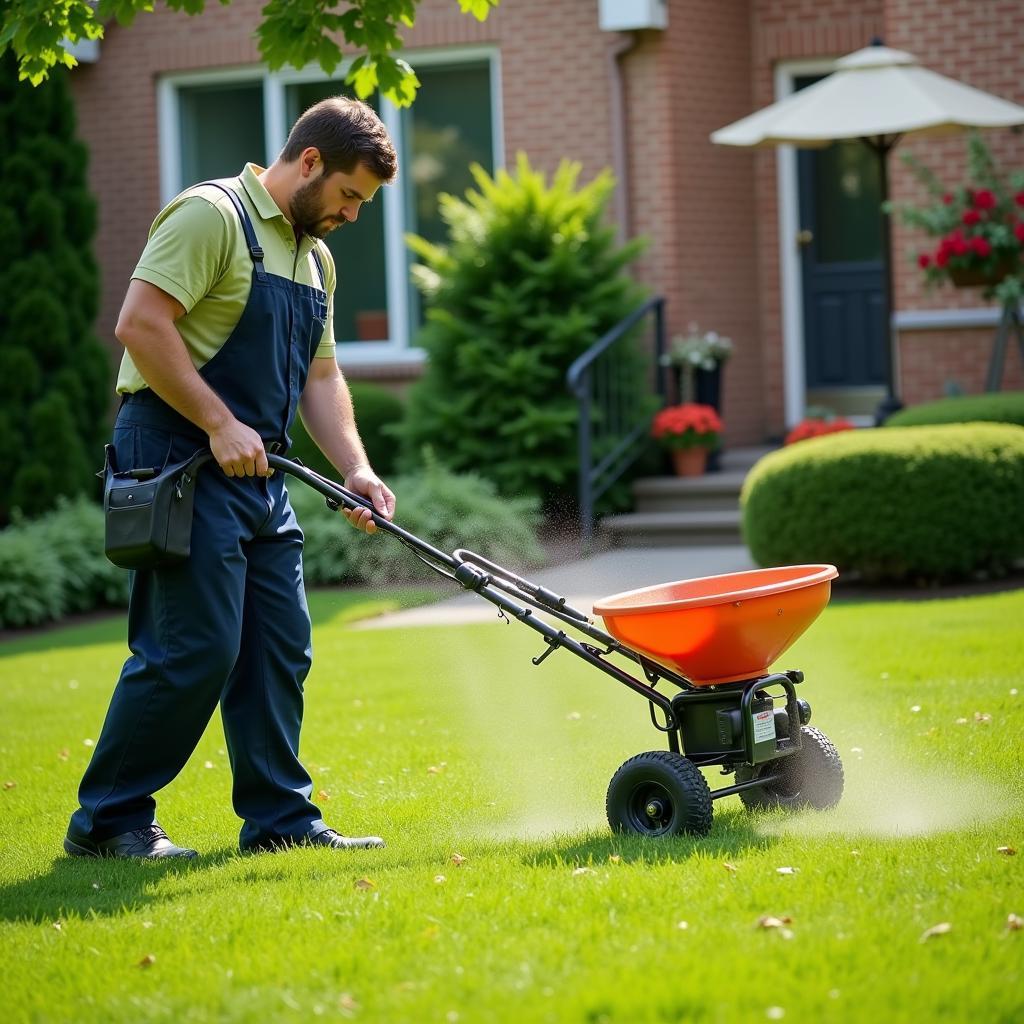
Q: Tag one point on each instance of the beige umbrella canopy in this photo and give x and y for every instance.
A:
(877, 95)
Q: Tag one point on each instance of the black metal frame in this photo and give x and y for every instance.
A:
(499, 586)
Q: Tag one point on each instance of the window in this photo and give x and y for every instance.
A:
(212, 124)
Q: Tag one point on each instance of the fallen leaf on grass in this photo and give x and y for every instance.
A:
(58, 925)
(961, 721)
(207, 764)
(683, 925)
(584, 871)
(458, 860)
(9, 784)
(347, 1002)
(982, 717)
(1006, 851)
(88, 743)
(771, 922)
(439, 879)
(147, 961)
(615, 858)
(365, 883)
(1014, 923)
(786, 871)
(64, 753)
(731, 868)
(942, 928)
(323, 795)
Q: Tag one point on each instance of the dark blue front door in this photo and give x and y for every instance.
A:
(842, 273)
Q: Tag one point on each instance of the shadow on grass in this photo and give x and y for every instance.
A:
(731, 836)
(106, 887)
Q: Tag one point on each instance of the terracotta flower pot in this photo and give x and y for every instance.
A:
(690, 461)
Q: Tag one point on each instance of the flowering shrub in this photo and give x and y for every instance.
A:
(814, 426)
(980, 227)
(687, 426)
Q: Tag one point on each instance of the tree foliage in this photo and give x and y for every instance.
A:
(54, 372)
(295, 32)
(530, 278)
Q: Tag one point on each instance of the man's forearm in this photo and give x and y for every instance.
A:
(326, 410)
(160, 356)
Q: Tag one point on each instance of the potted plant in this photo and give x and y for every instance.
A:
(979, 226)
(697, 357)
(689, 431)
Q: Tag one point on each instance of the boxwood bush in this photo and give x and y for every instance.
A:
(996, 407)
(54, 565)
(923, 504)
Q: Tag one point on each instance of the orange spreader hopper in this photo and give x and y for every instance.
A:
(720, 629)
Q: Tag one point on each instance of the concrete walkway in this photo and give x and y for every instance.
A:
(583, 582)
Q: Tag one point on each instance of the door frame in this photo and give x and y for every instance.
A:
(794, 376)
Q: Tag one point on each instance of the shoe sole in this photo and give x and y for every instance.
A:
(74, 849)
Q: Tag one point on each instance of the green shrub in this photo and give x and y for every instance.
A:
(919, 504)
(54, 565)
(445, 509)
(530, 278)
(996, 407)
(54, 373)
(378, 414)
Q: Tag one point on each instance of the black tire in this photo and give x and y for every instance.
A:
(812, 777)
(659, 794)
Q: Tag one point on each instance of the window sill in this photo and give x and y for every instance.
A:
(370, 360)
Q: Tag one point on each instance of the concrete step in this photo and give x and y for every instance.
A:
(710, 492)
(668, 529)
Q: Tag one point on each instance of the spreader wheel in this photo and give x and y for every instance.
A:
(812, 777)
(659, 794)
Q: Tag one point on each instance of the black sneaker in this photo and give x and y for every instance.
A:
(328, 837)
(149, 842)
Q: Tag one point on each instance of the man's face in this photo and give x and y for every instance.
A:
(328, 201)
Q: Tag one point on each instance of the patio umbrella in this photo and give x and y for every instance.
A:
(877, 95)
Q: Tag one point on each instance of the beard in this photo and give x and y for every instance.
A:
(307, 211)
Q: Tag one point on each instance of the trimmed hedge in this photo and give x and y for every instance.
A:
(994, 407)
(923, 504)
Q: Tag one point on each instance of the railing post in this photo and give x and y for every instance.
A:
(585, 487)
(659, 348)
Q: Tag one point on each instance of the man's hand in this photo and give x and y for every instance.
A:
(363, 481)
(239, 450)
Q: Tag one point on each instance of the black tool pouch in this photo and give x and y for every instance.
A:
(148, 512)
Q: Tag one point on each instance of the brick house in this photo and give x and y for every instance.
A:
(175, 99)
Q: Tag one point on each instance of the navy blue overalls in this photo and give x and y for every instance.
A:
(230, 624)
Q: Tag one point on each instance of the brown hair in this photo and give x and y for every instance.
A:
(347, 132)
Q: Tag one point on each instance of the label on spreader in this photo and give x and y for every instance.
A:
(764, 725)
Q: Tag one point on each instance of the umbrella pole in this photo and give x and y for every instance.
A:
(891, 403)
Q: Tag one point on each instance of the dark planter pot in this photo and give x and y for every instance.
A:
(972, 277)
(707, 387)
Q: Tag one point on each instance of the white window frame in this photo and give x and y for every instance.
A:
(396, 351)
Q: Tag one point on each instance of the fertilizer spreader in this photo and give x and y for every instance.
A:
(713, 640)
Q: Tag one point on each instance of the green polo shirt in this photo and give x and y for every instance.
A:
(197, 253)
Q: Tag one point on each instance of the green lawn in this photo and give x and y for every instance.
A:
(449, 742)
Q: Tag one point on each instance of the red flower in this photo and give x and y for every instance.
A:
(971, 217)
(814, 427)
(984, 199)
(1018, 230)
(923, 260)
(948, 198)
(959, 247)
(981, 246)
(1019, 198)
(687, 425)
(942, 257)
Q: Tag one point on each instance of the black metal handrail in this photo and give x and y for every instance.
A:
(609, 433)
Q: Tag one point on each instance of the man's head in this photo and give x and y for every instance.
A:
(342, 154)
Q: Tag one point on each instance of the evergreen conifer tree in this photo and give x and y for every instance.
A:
(54, 372)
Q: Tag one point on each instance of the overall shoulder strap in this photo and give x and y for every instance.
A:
(319, 266)
(255, 250)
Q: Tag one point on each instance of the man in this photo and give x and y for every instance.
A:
(227, 327)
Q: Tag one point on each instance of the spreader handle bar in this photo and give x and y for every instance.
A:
(541, 595)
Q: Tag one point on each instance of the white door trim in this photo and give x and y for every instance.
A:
(794, 378)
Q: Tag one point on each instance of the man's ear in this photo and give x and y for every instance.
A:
(309, 161)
